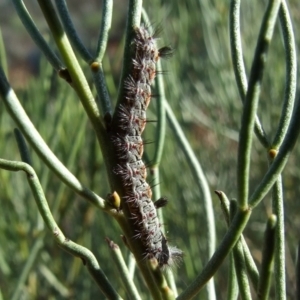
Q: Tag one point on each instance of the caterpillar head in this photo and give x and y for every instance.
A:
(169, 256)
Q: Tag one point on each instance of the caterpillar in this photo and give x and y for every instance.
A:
(131, 121)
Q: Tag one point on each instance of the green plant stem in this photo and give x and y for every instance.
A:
(71, 161)
(99, 80)
(251, 101)
(249, 261)
(280, 160)
(117, 256)
(79, 251)
(79, 82)
(171, 281)
(36, 35)
(266, 272)
(198, 174)
(131, 264)
(225, 206)
(166, 292)
(279, 255)
(24, 124)
(229, 240)
(239, 262)
(31, 260)
(241, 273)
(155, 175)
(107, 9)
(232, 288)
(65, 18)
(201, 183)
(23, 149)
(161, 118)
(291, 74)
(239, 66)
(91, 263)
(103, 98)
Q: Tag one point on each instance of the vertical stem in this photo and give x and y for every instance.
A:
(232, 287)
(202, 185)
(251, 101)
(238, 63)
(279, 256)
(291, 75)
(266, 273)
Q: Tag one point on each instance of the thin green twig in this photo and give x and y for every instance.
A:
(107, 9)
(266, 272)
(280, 160)
(96, 66)
(86, 255)
(23, 149)
(36, 35)
(131, 265)
(99, 80)
(201, 182)
(123, 271)
(291, 74)
(24, 124)
(232, 286)
(78, 80)
(198, 174)
(103, 98)
(249, 261)
(239, 66)
(251, 101)
(65, 18)
(241, 271)
(239, 262)
(279, 255)
(161, 118)
(228, 242)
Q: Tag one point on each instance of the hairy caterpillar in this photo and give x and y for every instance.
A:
(131, 122)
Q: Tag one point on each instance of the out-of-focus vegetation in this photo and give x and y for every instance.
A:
(201, 88)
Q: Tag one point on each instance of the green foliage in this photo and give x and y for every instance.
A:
(201, 89)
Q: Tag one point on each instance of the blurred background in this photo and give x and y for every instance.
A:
(200, 87)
